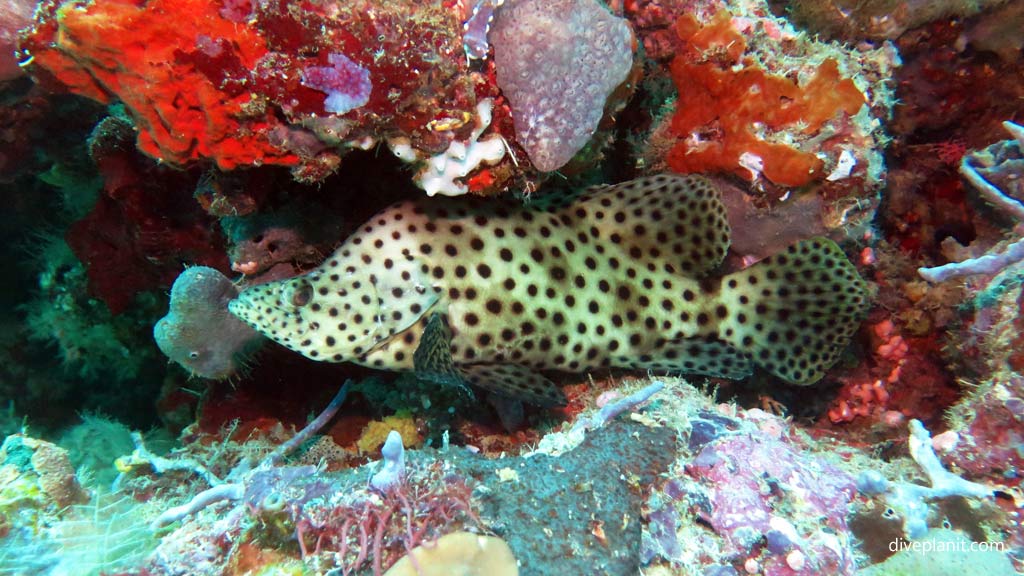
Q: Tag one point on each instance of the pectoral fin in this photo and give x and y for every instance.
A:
(432, 360)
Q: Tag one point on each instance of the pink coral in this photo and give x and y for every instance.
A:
(749, 479)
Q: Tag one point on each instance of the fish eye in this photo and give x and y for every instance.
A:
(301, 293)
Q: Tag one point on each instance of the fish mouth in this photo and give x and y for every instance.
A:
(286, 327)
(241, 308)
(246, 308)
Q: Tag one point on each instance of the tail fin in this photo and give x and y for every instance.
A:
(794, 312)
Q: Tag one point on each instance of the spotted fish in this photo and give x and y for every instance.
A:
(490, 293)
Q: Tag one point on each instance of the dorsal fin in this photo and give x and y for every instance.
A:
(676, 220)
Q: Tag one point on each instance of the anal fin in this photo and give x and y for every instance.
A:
(514, 381)
(705, 356)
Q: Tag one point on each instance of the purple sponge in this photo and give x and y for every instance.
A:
(346, 83)
(557, 62)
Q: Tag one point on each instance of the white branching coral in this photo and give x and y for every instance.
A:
(441, 173)
(910, 501)
(1002, 162)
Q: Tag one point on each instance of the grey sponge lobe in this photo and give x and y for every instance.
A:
(198, 332)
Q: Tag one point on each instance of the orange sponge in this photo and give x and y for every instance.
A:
(145, 55)
(729, 107)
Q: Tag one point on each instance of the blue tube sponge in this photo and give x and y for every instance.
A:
(392, 471)
(198, 332)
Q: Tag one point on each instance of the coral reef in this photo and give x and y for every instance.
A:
(333, 517)
(257, 85)
(234, 73)
(901, 376)
(94, 444)
(443, 173)
(998, 166)
(744, 488)
(909, 501)
(37, 474)
(178, 141)
(51, 524)
(266, 85)
(712, 91)
(106, 535)
(795, 121)
(878, 19)
(144, 225)
(90, 341)
(181, 113)
(653, 465)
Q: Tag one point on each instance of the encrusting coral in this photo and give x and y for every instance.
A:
(719, 87)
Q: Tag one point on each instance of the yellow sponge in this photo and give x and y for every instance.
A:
(461, 554)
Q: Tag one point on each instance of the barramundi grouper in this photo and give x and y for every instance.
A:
(490, 293)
